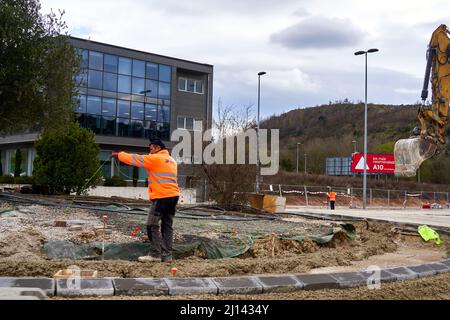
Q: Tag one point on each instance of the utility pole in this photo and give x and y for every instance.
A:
(258, 170)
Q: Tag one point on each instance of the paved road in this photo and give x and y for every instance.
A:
(430, 217)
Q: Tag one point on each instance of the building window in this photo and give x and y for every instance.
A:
(123, 109)
(151, 71)
(93, 123)
(95, 79)
(109, 126)
(94, 105)
(80, 104)
(137, 129)
(84, 57)
(164, 90)
(123, 127)
(150, 112)
(151, 85)
(163, 114)
(138, 85)
(137, 110)
(95, 60)
(124, 66)
(185, 123)
(163, 131)
(110, 63)
(109, 81)
(138, 68)
(109, 107)
(165, 73)
(190, 85)
(124, 84)
(82, 78)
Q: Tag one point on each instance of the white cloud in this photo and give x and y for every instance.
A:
(234, 36)
(318, 32)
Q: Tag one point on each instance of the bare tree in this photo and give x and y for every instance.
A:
(230, 183)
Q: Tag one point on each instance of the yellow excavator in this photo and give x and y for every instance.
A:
(428, 139)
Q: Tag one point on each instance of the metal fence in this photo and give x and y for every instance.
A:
(303, 195)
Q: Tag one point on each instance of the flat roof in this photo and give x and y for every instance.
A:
(144, 52)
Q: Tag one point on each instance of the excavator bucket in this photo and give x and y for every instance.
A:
(410, 153)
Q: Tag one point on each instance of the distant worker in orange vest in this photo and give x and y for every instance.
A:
(163, 193)
(332, 196)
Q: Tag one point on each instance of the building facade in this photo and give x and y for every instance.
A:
(126, 97)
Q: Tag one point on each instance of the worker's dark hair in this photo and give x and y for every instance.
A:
(157, 142)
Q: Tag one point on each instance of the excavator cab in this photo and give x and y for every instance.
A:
(429, 139)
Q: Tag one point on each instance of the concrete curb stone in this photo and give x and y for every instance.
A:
(190, 285)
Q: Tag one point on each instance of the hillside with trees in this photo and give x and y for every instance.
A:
(328, 131)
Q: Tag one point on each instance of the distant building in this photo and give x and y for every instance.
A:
(125, 97)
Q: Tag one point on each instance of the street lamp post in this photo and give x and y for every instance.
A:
(365, 125)
(298, 143)
(258, 173)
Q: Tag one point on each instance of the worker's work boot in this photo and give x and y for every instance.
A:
(166, 259)
(149, 259)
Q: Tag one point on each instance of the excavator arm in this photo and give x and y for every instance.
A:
(428, 139)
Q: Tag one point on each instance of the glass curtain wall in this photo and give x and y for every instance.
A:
(133, 96)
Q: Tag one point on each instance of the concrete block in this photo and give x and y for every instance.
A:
(279, 283)
(46, 284)
(317, 281)
(422, 270)
(402, 273)
(238, 285)
(385, 276)
(190, 285)
(349, 279)
(140, 286)
(11, 293)
(438, 267)
(84, 287)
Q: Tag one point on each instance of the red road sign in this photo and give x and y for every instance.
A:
(376, 163)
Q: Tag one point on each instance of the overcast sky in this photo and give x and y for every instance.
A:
(305, 46)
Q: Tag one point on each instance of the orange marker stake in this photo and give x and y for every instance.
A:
(173, 271)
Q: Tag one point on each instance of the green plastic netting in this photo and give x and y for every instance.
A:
(226, 247)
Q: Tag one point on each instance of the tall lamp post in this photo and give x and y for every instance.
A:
(258, 173)
(365, 125)
(298, 143)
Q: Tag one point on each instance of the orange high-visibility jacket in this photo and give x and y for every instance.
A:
(162, 172)
(332, 196)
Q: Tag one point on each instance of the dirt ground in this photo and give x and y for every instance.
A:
(24, 229)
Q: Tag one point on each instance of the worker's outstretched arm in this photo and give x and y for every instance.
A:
(131, 159)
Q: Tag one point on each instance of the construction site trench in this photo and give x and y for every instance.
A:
(40, 236)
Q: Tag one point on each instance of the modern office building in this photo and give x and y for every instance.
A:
(127, 96)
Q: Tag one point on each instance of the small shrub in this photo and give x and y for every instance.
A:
(24, 180)
(6, 179)
(115, 181)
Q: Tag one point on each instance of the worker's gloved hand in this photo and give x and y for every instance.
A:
(115, 155)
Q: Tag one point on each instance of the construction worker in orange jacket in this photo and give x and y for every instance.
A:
(332, 196)
(163, 193)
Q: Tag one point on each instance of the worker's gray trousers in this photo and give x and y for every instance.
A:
(159, 227)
